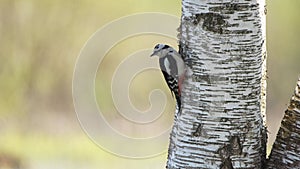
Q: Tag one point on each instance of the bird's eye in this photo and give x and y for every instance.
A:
(156, 47)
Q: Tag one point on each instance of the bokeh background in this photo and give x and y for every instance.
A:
(39, 44)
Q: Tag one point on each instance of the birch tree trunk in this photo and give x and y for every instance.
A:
(286, 149)
(221, 123)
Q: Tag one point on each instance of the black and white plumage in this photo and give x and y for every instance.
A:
(173, 69)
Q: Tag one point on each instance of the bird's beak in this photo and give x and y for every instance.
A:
(153, 54)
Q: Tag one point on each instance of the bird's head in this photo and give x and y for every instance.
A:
(161, 50)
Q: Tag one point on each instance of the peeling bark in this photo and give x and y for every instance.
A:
(286, 149)
(222, 120)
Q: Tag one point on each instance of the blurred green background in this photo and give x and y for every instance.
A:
(39, 44)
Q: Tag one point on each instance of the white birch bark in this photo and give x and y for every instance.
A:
(286, 149)
(220, 125)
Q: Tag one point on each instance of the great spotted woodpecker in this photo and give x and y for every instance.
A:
(173, 68)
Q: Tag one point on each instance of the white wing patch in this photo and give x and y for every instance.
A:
(167, 65)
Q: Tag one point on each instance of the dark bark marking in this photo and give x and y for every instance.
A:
(231, 8)
(263, 150)
(226, 164)
(216, 22)
(183, 51)
(233, 148)
(198, 129)
(210, 79)
(224, 152)
(235, 145)
(266, 10)
(241, 32)
(212, 22)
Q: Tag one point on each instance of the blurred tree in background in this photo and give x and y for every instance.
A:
(39, 44)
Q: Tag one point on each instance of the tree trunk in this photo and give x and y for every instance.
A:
(220, 125)
(286, 149)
